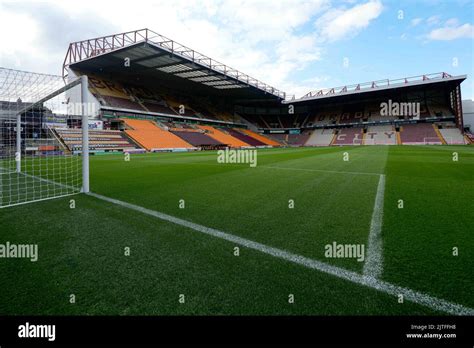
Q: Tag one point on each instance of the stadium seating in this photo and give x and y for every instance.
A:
(151, 137)
(280, 137)
(469, 137)
(351, 114)
(112, 94)
(452, 136)
(437, 108)
(419, 134)
(325, 117)
(348, 136)
(298, 139)
(197, 139)
(320, 137)
(122, 103)
(157, 107)
(291, 139)
(223, 137)
(245, 138)
(380, 135)
(261, 138)
(372, 113)
(99, 140)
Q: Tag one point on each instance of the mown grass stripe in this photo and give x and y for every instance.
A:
(371, 282)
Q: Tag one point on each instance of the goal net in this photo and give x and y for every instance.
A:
(36, 163)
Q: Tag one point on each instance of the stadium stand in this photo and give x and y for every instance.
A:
(349, 114)
(286, 121)
(320, 137)
(198, 139)
(245, 138)
(439, 110)
(380, 135)
(326, 117)
(419, 134)
(261, 138)
(298, 139)
(294, 140)
(469, 138)
(372, 113)
(157, 107)
(152, 137)
(352, 114)
(221, 135)
(348, 136)
(280, 137)
(99, 140)
(452, 135)
(112, 94)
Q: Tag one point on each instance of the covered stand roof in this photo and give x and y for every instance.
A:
(377, 87)
(152, 56)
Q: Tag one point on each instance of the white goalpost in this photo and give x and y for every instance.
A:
(36, 163)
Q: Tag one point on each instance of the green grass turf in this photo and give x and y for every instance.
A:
(81, 250)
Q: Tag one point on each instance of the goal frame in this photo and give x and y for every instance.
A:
(16, 168)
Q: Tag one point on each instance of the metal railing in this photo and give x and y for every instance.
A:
(321, 93)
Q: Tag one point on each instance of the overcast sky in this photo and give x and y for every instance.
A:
(295, 46)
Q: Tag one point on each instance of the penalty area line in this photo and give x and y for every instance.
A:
(382, 286)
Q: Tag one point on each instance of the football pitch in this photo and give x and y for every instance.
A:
(181, 234)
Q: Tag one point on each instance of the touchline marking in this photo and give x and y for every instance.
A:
(319, 170)
(373, 265)
(394, 290)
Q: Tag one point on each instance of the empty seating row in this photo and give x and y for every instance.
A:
(452, 136)
(380, 135)
(348, 136)
(261, 138)
(244, 137)
(221, 135)
(151, 137)
(104, 140)
(197, 139)
(419, 134)
(320, 137)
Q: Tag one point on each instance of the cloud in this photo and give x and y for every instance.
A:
(433, 20)
(338, 24)
(415, 21)
(452, 32)
(35, 35)
(266, 39)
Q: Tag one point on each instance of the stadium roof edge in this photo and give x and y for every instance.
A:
(375, 86)
(87, 49)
